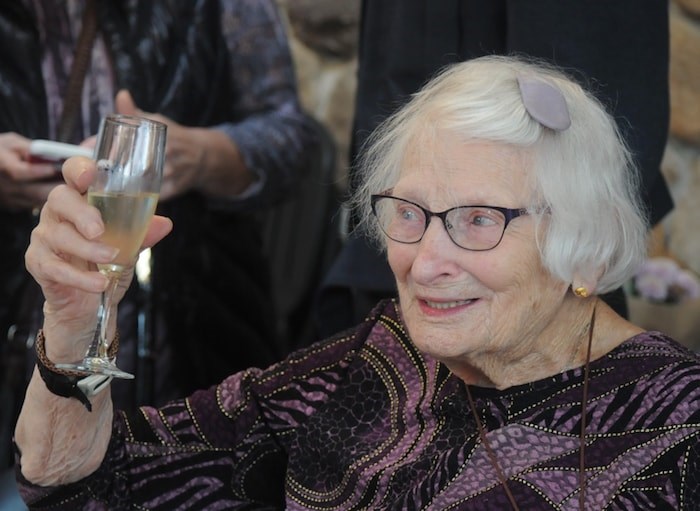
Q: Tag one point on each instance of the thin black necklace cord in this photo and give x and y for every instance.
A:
(582, 437)
(584, 406)
(492, 455)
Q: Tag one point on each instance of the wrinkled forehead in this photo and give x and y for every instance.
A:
(442, 164)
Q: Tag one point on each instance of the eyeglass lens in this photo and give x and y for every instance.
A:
(470, 227)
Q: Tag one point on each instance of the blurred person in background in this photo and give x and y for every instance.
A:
(219, 73)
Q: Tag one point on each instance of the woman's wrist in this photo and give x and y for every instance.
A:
(67, 339)
(67, 383)
(62, 348)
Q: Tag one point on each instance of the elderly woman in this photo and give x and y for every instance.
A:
(506, 201)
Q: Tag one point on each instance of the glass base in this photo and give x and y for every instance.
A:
(97, 366)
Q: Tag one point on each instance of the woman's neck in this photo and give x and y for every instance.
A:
(560, 346)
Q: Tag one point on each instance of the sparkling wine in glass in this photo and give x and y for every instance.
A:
(130, 153)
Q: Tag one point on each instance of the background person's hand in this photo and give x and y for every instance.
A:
(200, 159)
(62, 257)
(89, 142)
(184, 154)
(23, 185)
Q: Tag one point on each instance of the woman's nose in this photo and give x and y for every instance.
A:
(435, 253)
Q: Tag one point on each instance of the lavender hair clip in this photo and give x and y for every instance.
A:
(545, 103)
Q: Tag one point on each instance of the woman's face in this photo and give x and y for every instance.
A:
(463, 307)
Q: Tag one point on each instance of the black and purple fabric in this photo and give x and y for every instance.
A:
(365, 421)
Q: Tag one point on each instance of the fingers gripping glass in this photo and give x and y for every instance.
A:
(469, 227)
(130, 153)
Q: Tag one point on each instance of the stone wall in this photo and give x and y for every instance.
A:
(681, 164)
(324, 36)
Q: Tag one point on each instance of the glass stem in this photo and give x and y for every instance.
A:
(100, 343)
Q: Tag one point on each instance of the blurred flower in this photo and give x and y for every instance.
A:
(651, 286)
(688, 283)
(660, 279)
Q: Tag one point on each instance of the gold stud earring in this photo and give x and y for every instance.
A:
(581, 292)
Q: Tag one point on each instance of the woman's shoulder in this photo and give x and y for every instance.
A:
(655, 346)
(659, 374)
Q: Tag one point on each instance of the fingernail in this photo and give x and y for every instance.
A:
(93, 230)
(108, 253)
(104, 284)
(82, 173)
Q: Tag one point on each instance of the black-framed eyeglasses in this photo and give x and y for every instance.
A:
(469, 227)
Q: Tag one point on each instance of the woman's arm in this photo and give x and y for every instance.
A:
(272, 135)
(59, 440)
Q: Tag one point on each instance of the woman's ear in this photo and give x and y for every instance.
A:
(584, 285)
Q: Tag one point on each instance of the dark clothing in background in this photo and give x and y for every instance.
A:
(215, 63)
(617, 49)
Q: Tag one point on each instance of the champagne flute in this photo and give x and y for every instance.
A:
(130, 153)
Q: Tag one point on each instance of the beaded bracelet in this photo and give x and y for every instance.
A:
(63, 382)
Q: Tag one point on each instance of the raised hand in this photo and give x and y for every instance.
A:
(63, 255)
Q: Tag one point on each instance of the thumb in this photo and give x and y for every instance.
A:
(124, 103)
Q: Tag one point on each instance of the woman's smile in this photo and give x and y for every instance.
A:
(430, 306)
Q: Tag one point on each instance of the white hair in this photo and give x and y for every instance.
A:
(583, 176)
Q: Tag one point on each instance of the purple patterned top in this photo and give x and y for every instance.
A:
(365, 421)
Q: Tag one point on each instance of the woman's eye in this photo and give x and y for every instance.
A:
(408, 214)
(483, 220)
